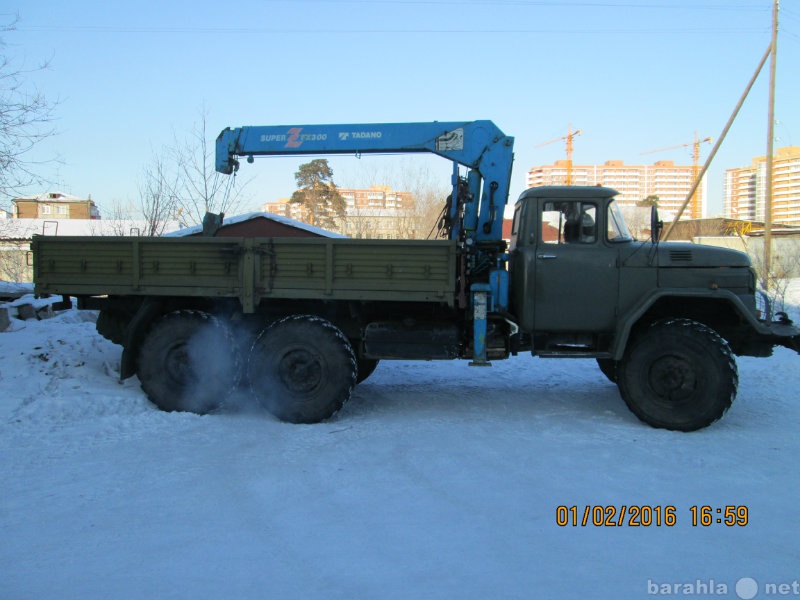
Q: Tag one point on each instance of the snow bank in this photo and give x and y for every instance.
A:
(437, 480)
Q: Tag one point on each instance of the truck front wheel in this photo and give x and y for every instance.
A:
(366, 367)
(189, 362)
(678, 374)
(608, 366)
(302, 369)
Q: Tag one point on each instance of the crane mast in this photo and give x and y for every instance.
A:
(569, 143)
(694, 206)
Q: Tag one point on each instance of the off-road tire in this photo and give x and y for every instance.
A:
(302, 369)
(366, 367)
(678, 374)
(189, 362)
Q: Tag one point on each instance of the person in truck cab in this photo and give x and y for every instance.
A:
(580, 227)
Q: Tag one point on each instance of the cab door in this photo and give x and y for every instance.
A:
(577, 278)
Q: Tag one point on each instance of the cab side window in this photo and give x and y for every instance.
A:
(569, 222)
(515, 225)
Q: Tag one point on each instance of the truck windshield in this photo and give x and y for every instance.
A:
(617, 229)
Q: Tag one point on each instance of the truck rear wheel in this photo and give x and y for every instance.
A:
(678, 374)
(189, 362)
(302, 369)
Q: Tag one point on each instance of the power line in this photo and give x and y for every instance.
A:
(538, 3)
(785, 12)
(222, 30)
(295, 31)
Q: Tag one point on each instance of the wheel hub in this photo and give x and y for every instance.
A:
(177, 363)
(300, 371)
(672, 378)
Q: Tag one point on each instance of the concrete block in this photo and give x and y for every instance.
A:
(45, 312)
(26, 311)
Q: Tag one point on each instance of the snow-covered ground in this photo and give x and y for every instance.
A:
(437, 480)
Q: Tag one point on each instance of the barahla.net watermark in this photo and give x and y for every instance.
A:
(745, 588)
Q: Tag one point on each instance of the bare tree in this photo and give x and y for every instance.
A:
(26, 118)
(198, 187)
(421, 219)
(13, 263)
(637, 218)
(428, 190)
(774, 281)
(14, 250)
(181, 183)
(359, 222)
(429, 204)
(119, 220)
(158, 200)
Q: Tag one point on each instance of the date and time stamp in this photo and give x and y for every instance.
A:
(651, 516)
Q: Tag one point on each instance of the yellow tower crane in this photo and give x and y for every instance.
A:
(570, 135)
(694, 206)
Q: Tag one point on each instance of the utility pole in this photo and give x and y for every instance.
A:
(720, 139)
(767, 269)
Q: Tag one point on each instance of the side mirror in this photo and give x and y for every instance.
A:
(655, 225)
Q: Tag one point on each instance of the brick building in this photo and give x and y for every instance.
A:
(54, 205)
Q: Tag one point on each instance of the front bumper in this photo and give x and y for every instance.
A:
(784, 332)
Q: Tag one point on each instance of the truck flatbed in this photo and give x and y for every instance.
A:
(250, 269)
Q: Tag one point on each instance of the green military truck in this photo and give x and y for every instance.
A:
(300, 321)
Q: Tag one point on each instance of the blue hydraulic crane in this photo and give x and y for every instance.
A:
(474, 215)
(478, 145)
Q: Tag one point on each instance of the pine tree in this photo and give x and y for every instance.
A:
(322, 204)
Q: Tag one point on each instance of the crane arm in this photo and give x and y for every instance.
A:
(569, 136)
(695, 143)
(553, 141)
(478, 145)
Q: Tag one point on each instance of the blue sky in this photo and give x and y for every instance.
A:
(633, 75)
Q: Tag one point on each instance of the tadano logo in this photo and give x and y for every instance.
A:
(746, 588)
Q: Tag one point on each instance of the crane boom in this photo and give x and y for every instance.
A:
(479, 145)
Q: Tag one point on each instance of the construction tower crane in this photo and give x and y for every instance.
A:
(570, 135)
(694, 207)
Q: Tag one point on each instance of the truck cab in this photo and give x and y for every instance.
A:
(581, 284)
(567, 244)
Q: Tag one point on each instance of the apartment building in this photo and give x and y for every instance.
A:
(54, 205)
(377, 197)
(745, 188)
(670, 182)
(285, 208)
